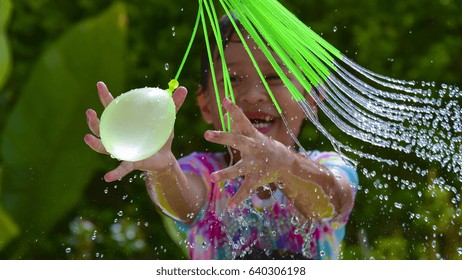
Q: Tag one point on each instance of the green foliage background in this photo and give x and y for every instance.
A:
(53, 201)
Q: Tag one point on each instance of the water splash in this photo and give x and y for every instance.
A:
(404, 126)
(393, 114)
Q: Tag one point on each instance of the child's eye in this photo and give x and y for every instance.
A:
(234, 79)
(272, 78)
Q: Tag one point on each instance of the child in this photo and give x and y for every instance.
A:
(262, 199)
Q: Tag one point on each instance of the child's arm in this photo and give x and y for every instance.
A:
(176, 193)
(315, 190)
(179, 195)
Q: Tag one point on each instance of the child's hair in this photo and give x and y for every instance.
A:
(226, 31)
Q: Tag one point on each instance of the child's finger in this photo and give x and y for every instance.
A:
(243, 192)
(240, 122)
(104, 95)
(93, 121)
(234, 140)
(95, 144)
(228, 173)
(179, 95)
(123, 169)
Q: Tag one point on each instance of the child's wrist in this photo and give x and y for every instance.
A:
(163, 165)
(287, 163)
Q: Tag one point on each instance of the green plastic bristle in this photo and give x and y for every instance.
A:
(278, 33)
(301, 50)
(266, 29)
(212, 67)
(256, 37)
(193, 36)
(228, 90)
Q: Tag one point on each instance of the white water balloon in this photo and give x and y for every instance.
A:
(136, 124)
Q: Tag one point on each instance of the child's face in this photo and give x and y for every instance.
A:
(252, 96)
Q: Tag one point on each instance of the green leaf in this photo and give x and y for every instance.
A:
(8, 229)
(46, 162)
(5, 56)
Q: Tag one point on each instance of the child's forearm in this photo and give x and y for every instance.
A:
(315, 190)
(170, 190)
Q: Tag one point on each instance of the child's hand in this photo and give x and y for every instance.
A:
(157, 161)
(261, 157)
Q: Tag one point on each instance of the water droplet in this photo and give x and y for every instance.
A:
(294, 220)
(167, 66)
(120, 213)
(93, 237)
(68, 250)
(335, 29)
(281, 185)
(398, 205)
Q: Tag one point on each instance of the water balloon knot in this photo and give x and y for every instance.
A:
(172, 85)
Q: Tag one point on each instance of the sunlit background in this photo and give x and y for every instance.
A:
(54, 203)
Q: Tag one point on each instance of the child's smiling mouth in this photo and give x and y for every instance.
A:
(261, 121)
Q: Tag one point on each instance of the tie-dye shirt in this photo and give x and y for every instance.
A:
(264, 225)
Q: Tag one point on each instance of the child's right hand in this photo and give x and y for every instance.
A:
(158, 161)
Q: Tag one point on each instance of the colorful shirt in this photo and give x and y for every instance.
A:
(272, 226)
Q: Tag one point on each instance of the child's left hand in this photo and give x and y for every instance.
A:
(261, 157)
